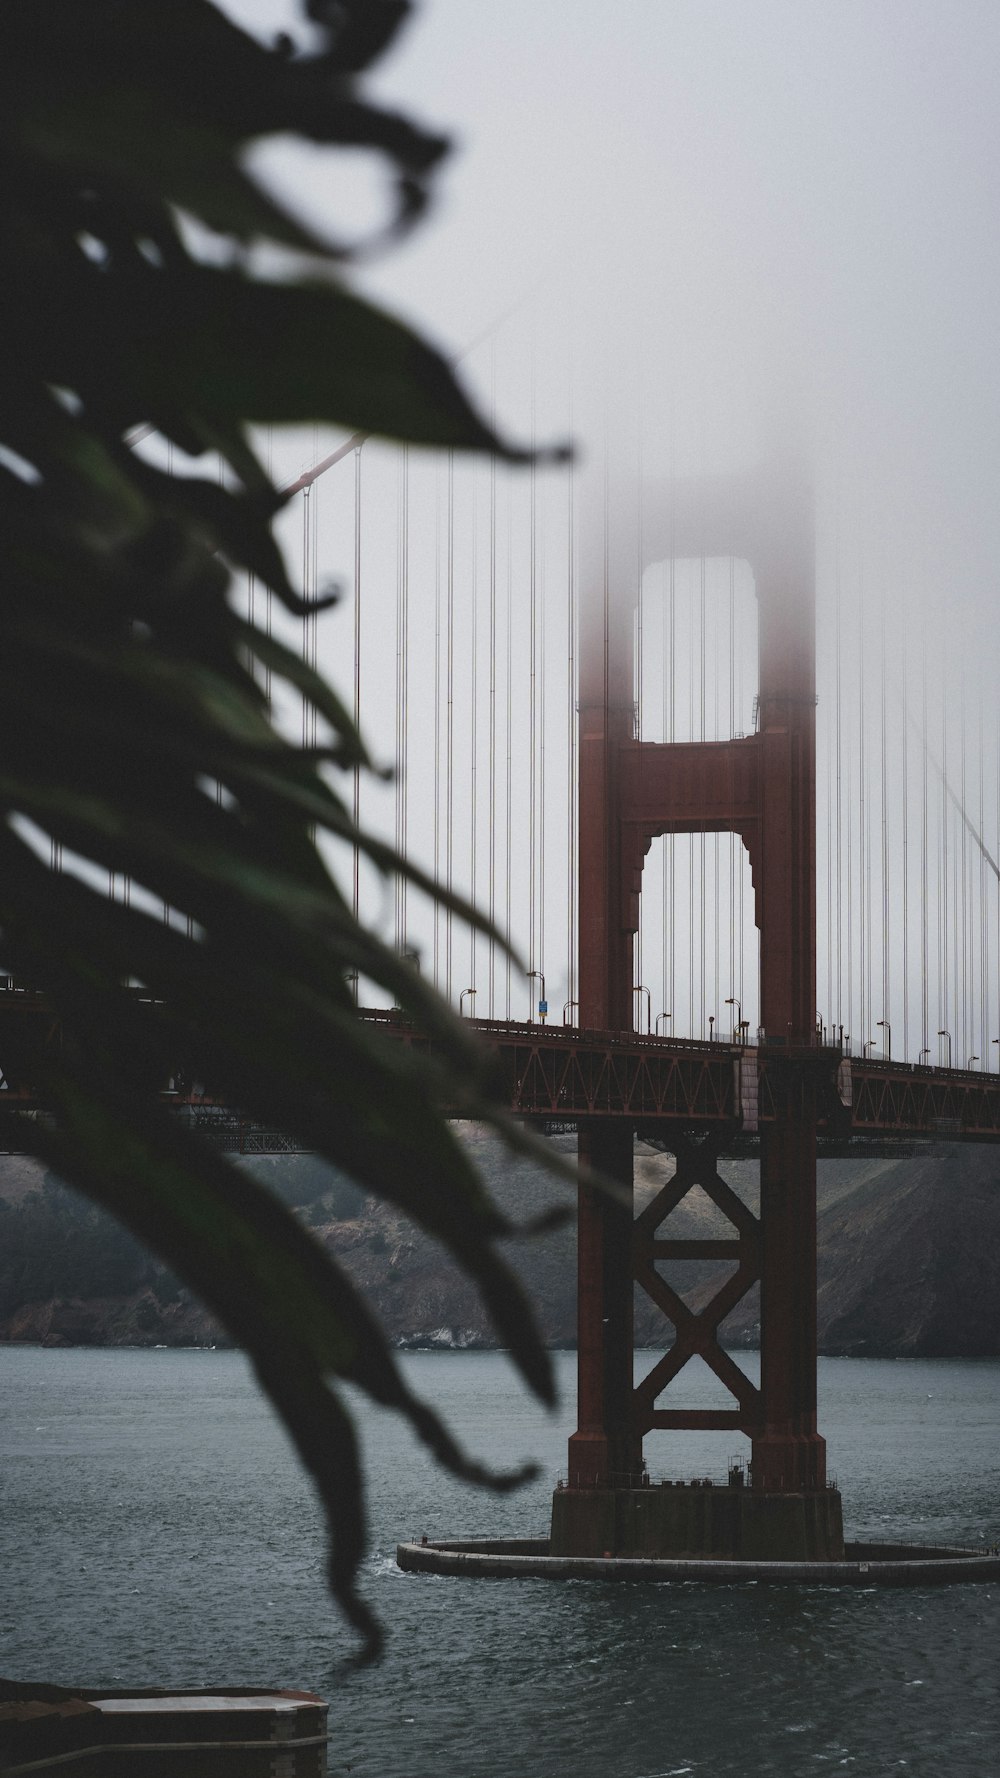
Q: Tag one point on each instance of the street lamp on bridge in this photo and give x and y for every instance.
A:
(737, 1017)
(884, 1025)
(948, 1035)
(639, 989)
(996, 1040)
(537, 975)
(469, 993)
(921, 1056)
(568, 1007)
(669, 1015)
(865, 1047)
(971, 1060)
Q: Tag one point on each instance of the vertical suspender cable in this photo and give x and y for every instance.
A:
(436, 963)
(702, 848)
(717, 932)
(397, 932)
(493, 694)
(693, 1028)
(884, 802)
(474, 728)
(356, 787)
(864, 897)
(269, 596)
(508, 781)
(837, 1009)
(314, 625)
(306, 594)
(924, 847)
(741, 862)
(638, 974)
(402, 682)
(532, 693)
(734, 840)
(849, 879)
(961, 866)
(716, 936)
(542, 567)
(943, 979)
(571, 737)
(310, 621)
(956, 1023)
(984, 1020)
(829, 1001)
(670, 907)
(606, 616)
(904, 668)
(449, 834)
(997, 770)
(404, 701)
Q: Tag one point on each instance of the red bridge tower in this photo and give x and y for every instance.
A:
(762, 788)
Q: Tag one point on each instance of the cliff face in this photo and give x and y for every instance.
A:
(909, 1258)
(909, 1264)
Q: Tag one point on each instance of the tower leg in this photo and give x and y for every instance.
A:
(604, 1449)
(789, 1453)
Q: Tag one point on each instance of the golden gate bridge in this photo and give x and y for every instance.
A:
(739, 815)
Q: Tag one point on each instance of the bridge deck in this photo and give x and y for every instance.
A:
(558, 1074)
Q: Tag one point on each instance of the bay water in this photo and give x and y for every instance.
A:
(155, 1529)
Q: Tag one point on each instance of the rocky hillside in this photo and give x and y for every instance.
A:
(909, 1257)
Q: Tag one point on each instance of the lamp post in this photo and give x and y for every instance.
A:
(948, 1035)
(884, 1025)
(866, 1046)
(921, 1056)
(971, 1060)
(639, 989)
(737, 1017)
(543, 1005)
(669, 1015)
(996, 1040)
(711, 1027)
(567, 1008)
(467, 993)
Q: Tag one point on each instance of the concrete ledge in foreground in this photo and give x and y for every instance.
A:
(864, 1565)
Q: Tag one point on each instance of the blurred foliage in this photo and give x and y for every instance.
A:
(134, 731)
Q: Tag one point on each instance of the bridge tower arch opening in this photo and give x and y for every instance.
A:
(697, 951)
(760, 787)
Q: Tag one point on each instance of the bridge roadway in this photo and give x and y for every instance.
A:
(558, 1074)
(554, 1074)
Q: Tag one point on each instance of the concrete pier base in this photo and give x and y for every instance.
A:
(864, 1565)
(699, 1521)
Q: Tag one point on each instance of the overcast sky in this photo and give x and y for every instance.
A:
(778, 195)
(749, 223)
